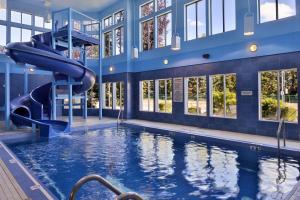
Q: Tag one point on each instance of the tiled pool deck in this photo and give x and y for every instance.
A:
(79, 123)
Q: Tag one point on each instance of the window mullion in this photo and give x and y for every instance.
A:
(223, 14)
(224, 91)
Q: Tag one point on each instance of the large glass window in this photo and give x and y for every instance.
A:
(196, 20)
(2, 14)
(223, 95)
(26, 19)
(93, 97)
(119, 96)
(162, 4)
(279, 94)
(164, 92)
(119, 17)
(107, 22)
(164, 30)
(119, 40)
(15, 17)
(223, 16)
(26, 35)
(15, 35)
(147, 96)
(195, 95)
(108, 48)
(108, 95)
(2, 38)
(39, 21)
(147, 9)
(147, 35)
(270, 10)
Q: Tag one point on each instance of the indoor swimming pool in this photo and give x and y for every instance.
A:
(157, 166)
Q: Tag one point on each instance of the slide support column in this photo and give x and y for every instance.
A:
(7, 96)
(53, 100)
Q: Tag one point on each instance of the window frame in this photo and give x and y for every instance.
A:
(156, 30)
(141, 35)
(112, 45)
(141, 99)
(147, 2)
(122, 41)
(186, 92)
(156, 94)
(211, 105)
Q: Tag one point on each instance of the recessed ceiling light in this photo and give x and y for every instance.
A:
(253, 48)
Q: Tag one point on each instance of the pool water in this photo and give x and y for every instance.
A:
(157, 166)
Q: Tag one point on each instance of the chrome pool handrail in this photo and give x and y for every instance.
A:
(279, 130)
(121, 113)
(105, 183)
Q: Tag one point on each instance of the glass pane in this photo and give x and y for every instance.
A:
(93, 97)
(231, 100)
(15, 17)
(162, 4)
(218, 95)
(26, 19)
(148, 35)
(119, 17)
(267, 10)
(191, 23)
(192, 96)
(15, 35)
(169, 96)
(39, 21)
(201, 19)
(289, 106)
(48, 25)
(145, 93)
(269, 88)
(217, 16)
(26, 35)
(147, 9)
(164, 30)
(119, 37)
(108, 44)
(151, 100)
(202, 104)
(286, 8)
(2, 14)
(108, 95)
(161, 96)
(107, 22)
(3, 35)
(118, 95)
(230, 15)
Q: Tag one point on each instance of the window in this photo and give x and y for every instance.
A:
(196, 20)
(108, 95)
(92, 52)
(147, 96)
(15, 35)
(147, 9)
(270, 10)
(119, 40)
(147, 35)
(26, 19)
(223, 16)
(15, 17)
(119, 17)
(164, 95)
(2, 38)
(108, 22)
(279, 94)
(93, 97)
(119, 100)
(195, 96)
(164, 30)
(2, 14)
(26, 35)
(108, 48)
(162, 4)
(39, 21)
(223, 96)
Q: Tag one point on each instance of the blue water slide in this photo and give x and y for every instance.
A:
(35, 108)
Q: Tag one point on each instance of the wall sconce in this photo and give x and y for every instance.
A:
(249, 22)
(135, 53)
(166, 61)
(176, 40)
(111, 68)
(31, 69)
(253, 48)
(3, 4)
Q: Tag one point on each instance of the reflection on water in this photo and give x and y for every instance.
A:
(156, 166)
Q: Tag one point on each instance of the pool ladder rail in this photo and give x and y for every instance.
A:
(281, 129)
(120, 115)
(105, 183)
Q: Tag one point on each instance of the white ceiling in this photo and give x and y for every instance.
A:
(80, 5)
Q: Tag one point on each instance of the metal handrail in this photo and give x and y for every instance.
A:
(121, 113)
(105, 183)
(279, 130)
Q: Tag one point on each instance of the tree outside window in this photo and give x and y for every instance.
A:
(164, 30)
(148, 35)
